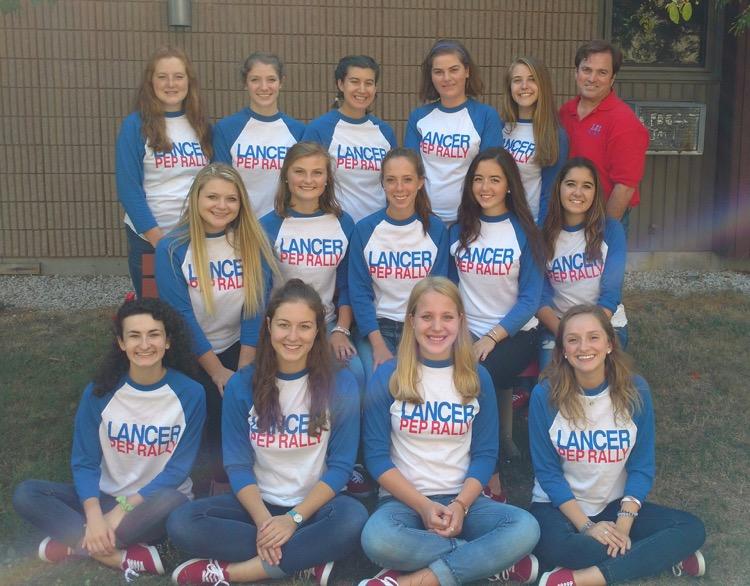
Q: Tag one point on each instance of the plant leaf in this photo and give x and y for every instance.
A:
(674, 13)
(687, 11)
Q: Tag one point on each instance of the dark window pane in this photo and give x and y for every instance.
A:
(648, 37)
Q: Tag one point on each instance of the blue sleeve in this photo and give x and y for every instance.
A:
(550, 173)
(235, 437)
(86, 456)
(320, 131)
(174, 289)
(222, 144)
(130, 149)
(548, 293)
(544, 457)
(411, 135)
(250, 324)
(376, 421)
(342, 271)
(271, 224)
(193, 400)
(529, 287)
(488, 124)
(453, 236)
(344, 440)
(484, 432)
(361, 295)
(641, 466)
(610, 286)
(296, 128)
(439, 236)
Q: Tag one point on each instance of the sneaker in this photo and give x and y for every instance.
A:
(201, 571)
(359, 486)
(52, 551)
(693, 565)
(523, 571)
(384, 577)
(500, 498)
(140, 558)
(318, 574)
(558, 577)
(520, 398)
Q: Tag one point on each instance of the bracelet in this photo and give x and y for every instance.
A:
(586, 526)
(492, 336)
(343, 330)
(627, 514)
(463, 505)
(631, 499)
(124, 504)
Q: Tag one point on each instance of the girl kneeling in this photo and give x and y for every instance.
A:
(136, 435)
(431, 437)
(290, 427)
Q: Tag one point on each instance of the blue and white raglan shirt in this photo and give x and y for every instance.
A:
(571, 279)
(499, 281)
(138, 438)
(358, 146)
(178, 285)
(256, 146)
(153, 186)
(518, 140)
(436, 444)
(597, 464)
(388, 257)
(313, 248)
(448, 139)
(286, 461)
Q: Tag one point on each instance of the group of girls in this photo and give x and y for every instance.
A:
(292, 315)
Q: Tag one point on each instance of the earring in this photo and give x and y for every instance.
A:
(565, 356)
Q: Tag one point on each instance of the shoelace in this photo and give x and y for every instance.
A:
(357, 477)
(503, 576)
(213, 574)
(389, 581)
(130, 575)
(677, 569)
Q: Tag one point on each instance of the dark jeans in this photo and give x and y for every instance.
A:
(509, 358)
(661, 537)
(212, 440)
(137, 247)
(54, 508)
(220, 528)
(390, 330)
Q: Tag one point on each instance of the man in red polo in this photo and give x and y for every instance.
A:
(602, 127)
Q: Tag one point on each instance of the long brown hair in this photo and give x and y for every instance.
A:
(154, 126)
(422, 205)
(469, 211)
(565, 392)
(544, 119)
(320, 364)
(327, 201)
(474, 83)
(404, 381)
(594, 219)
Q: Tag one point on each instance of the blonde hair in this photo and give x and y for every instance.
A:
(544, 119)
(565, 392)
(405, 379)
(244, 234)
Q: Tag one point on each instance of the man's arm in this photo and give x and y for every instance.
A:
(619, 200)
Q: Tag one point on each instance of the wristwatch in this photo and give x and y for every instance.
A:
(296, 517)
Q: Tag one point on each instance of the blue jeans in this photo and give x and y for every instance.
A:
(137, 247)
(390, 330)
(220, 528)
(660, 536)
(547, 344)
(55, 509)
(494, 537)
(354, 364)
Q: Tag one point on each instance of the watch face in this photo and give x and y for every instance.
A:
(297, 518)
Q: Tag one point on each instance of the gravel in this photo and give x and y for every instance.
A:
(87, 292)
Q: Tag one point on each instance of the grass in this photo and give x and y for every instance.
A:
(692, 350)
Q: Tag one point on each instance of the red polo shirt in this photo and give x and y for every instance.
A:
(613, 138)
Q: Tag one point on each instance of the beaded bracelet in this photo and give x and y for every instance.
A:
(588, 525)
(627, 514)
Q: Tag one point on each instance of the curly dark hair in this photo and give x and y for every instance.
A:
(320, 364)
(116, 364)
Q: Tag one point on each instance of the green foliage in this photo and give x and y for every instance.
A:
(680, 8)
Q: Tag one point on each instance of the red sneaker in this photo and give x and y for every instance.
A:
(500, 498)
(557, 577)
(359, 486)
(520, 398)
(318, 574)
(384, 577)
(140, 558)
(52, 551)
(693, 565)
(201, 571)
(523, 571)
